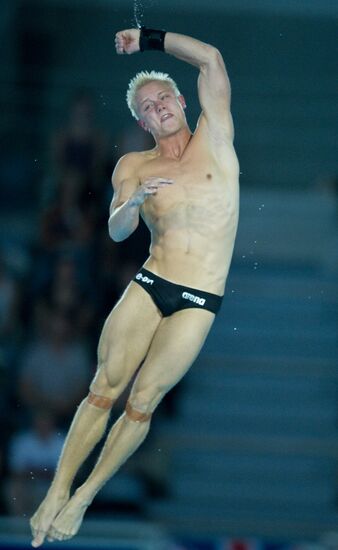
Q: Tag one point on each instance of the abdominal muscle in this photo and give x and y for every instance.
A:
(197, 255)
(193, 222)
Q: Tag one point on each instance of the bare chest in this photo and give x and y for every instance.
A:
(201, 191)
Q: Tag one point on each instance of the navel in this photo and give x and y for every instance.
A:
(209, 176)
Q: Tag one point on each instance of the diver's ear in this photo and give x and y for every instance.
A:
(142, 124)
(182, 101)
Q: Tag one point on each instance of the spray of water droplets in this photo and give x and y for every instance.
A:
(139, 6)
(138, 13)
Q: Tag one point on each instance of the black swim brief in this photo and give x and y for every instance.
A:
(170, 297)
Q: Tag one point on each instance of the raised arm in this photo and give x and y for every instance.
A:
(214, 90)
(213, 82)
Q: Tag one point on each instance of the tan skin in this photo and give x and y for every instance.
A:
(186, 189)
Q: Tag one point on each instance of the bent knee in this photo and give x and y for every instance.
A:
(141, 404)
(136, 415)
(103, 389)
(99, 401)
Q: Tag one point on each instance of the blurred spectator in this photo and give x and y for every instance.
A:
(10, 322)
(5, 423)
(32, 459)
(68, 228)
(55, 370)
(81, 147)
(69, 292)
(70, 219)
(9, 301)
(18, 173)
(108, 277)
(63, 217)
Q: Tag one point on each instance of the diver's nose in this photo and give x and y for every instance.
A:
(160, 106)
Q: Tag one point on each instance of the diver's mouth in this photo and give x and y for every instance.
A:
(166, 116)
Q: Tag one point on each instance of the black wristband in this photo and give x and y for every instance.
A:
(151, 39)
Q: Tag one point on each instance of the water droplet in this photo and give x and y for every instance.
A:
(235, 328)
(138, 15)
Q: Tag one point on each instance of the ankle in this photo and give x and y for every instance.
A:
(83, 496)
(58, 492)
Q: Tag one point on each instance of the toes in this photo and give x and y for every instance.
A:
(54, 534)
(32, 526)
(67, 537)
(39, 537)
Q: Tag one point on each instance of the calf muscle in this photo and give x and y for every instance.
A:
(85, 432)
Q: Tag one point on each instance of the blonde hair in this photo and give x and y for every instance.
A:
(143, 78)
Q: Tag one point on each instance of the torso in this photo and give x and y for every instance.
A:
(193, 222)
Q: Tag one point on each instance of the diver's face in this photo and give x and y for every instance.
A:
(160, 111)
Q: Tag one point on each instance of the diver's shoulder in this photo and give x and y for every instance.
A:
(136, 157)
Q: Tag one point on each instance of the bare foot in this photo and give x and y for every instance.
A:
(44, 516)
(69, 520)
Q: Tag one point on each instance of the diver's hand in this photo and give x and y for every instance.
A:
(127, 41)
(148, 187)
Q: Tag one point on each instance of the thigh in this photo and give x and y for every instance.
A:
(126, 336)
(176, 344)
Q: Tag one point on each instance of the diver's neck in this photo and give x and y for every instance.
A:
(174, 146)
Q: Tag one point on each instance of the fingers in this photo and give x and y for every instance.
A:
(152, 185)
(160, 182)
(119, 43)
(149, 187)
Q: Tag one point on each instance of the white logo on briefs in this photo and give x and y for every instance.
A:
(192, 298)
(144, 279)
